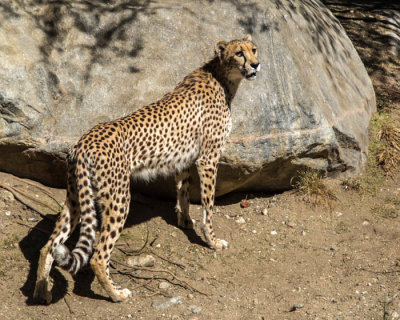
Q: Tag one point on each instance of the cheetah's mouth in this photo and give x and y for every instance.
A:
(251, 76)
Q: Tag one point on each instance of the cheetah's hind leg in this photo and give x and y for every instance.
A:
(182, 205)
(66, 223)
(112, 225)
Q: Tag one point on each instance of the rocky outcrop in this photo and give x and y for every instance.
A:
(66, 66)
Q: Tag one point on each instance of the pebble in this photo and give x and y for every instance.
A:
(273, 233)
(291, 224)
(33, 219)
(240, 220)
(265, 212)
(170, 302)
(8, 213)
(296, 306)
(195, 309)
(163, 285)
(141, 261)
(365, 223)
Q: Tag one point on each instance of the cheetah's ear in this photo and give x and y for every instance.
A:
(247, 37)
(219, 48)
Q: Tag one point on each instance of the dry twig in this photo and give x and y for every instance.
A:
(180, 282)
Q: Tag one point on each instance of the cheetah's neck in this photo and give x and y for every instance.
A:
(222, 74)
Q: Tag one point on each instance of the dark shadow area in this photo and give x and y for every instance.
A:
(369, 24)
(30, 247)
(143, 211)
(31, 244)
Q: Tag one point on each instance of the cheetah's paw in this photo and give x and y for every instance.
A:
(122, 295)
(42, 294)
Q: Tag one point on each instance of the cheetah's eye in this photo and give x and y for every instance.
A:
(239, 53)
(254, 50)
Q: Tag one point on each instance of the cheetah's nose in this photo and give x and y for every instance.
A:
(254, 65)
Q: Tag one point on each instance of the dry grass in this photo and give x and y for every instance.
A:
(385, 142)
(311, 184)
(389, 156)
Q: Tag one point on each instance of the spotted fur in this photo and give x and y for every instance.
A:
(188, 125)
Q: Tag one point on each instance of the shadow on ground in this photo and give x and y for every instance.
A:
(140, 211)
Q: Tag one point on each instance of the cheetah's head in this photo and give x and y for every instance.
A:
(239, 57)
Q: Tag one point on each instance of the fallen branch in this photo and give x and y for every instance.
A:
(69, 307)
(132, 252)
(180, 283)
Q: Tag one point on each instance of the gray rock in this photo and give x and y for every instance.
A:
(195, 309)
(67, 66)
(167, 304)
(141, 261)
(163, 285)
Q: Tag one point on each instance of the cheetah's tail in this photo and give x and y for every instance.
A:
(79, 257)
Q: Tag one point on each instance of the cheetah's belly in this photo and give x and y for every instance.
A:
(164, 161)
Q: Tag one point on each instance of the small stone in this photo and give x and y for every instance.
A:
(141, 261)
(190, 296)
(265, 212)
(303, 233)
(167, 304)
(254, 231)
(163, 285)
(291, 224)
(296, 306)
(8, 213)
(273, 233)
(33, 219)
(365, 223)
(395, 315)
(240, 220)
(195, 309)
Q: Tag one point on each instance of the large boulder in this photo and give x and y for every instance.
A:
(65, 66)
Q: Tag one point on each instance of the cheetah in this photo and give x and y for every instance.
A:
(188, 125)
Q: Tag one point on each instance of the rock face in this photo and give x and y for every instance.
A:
(66, 66)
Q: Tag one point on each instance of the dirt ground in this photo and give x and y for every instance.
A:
(288, 258)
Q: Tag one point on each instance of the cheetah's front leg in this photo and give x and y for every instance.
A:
(208, 175)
